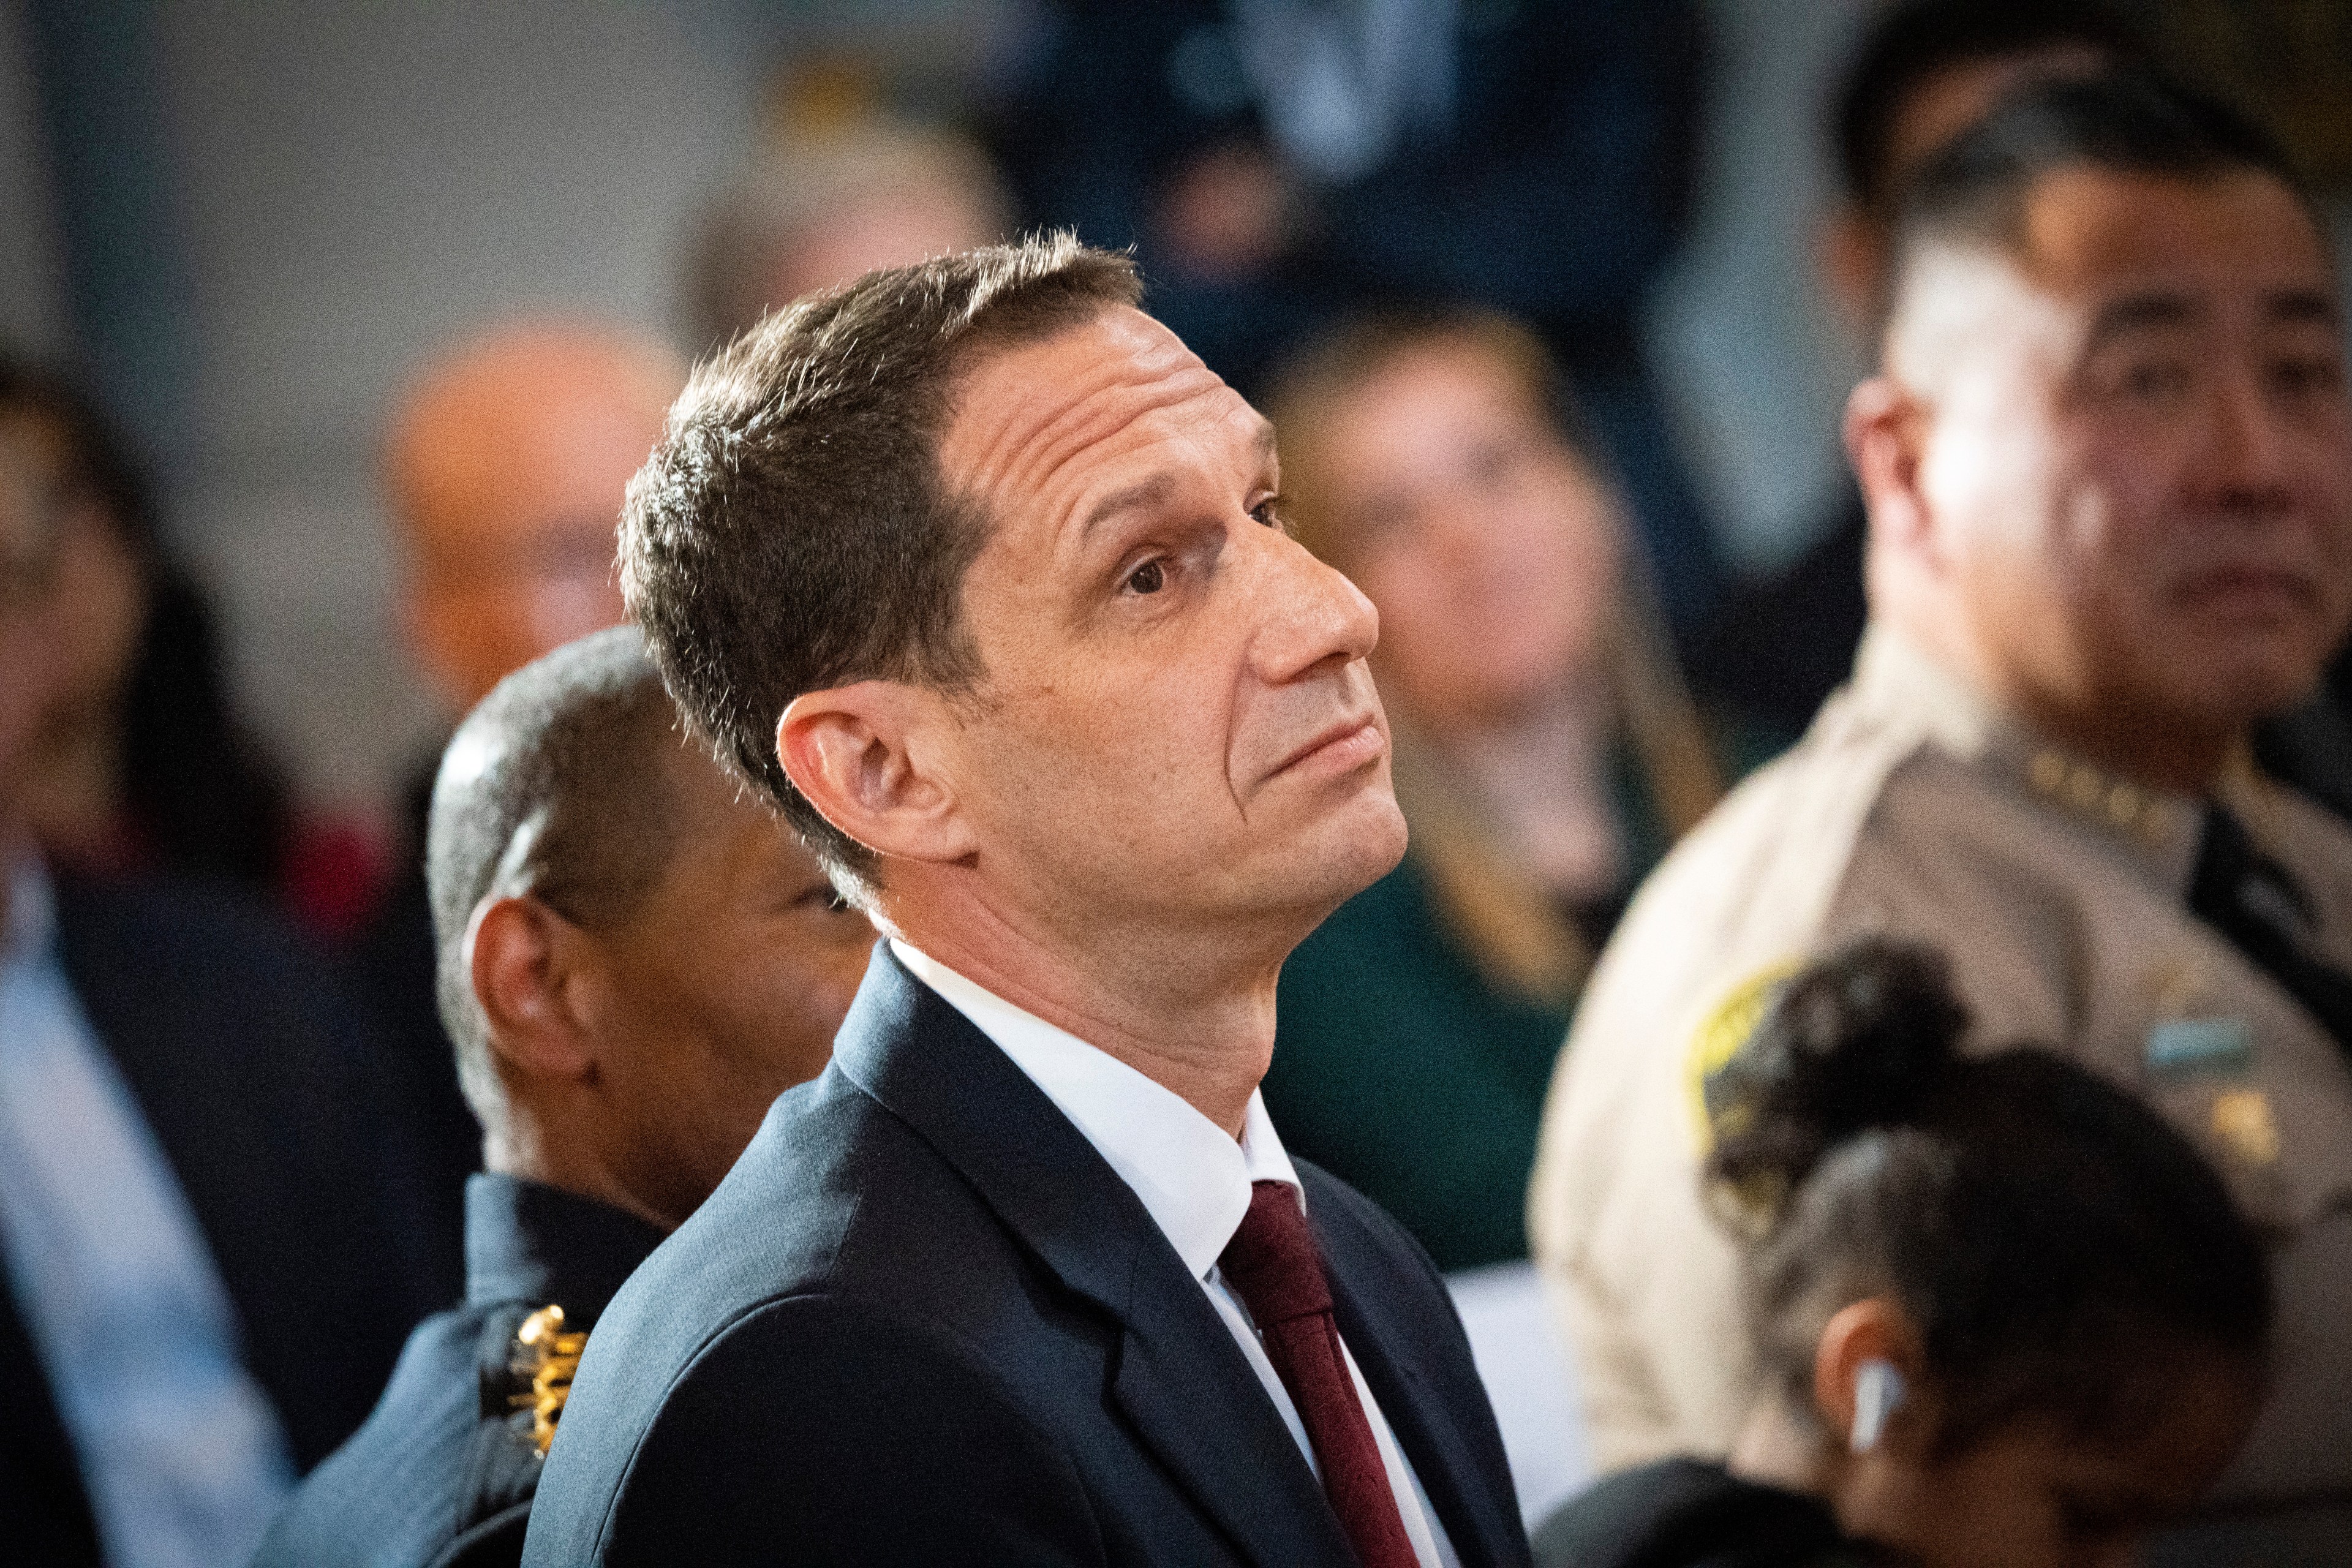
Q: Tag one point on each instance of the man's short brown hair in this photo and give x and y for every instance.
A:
(792, 531)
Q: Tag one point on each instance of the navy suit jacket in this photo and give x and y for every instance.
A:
(256, 1081)
(443, 1473)
(922, 1322)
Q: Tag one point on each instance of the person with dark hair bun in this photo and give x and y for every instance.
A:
(2003, 1312)
(2108, 457)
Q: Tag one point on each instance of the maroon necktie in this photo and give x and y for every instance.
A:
(1273, 1266)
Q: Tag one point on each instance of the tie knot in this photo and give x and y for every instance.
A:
(1272, 1262)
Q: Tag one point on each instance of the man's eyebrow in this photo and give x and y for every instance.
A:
(1146, 492)
(2302, 305)
(2134, 311)
(1142, 493)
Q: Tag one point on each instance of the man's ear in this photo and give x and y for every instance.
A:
(872, 758)
(1886, 439)
(1875, 1329)
(520, 954)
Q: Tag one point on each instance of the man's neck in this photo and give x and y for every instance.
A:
(15, 848)
(2154, 750)
(519, 1149)
(1778, 1448)
(1195, 1014)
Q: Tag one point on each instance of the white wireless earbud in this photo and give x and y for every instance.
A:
(1878, 1394)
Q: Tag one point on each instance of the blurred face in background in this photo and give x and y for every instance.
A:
(27, 621)
(1492, 550)
(2123, 457)
(100, 598)
(894, 226)
(508, 467)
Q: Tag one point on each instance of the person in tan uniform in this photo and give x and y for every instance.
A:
(2108, 462)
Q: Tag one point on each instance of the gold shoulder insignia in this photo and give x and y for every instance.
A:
(2084, 790)
(1720, 1034)
(545, 1356)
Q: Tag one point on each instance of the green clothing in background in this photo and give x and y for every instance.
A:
(1400, 1070)
(1396, 1069)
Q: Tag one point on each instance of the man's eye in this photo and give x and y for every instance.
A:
(2302, 377)
(1267, 513)
(2155, 378)
(1148, 578)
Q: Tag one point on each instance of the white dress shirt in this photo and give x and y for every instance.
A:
(1193, 1180)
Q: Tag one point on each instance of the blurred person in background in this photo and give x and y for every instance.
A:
(1278, 164)
(205, 1239)
(142, 762)
(1545, 756)
(827, 202)
(1924, 72)
(636, 956)
(505, 461)
(2108, 461)
(2006, 1315)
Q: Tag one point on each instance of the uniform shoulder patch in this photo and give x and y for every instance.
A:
(1727, 1027)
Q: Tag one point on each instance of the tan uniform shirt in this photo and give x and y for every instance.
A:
(1911, 808)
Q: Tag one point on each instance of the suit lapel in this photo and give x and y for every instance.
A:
(1180, 1379)
(1485, 1527)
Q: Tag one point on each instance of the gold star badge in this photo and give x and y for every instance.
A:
(547, 1357)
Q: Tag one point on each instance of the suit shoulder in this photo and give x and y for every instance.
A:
(910, 1447)
(229, 929)
(207, 960)
(395, 1492)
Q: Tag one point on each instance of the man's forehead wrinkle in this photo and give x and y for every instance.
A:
(1030, 453)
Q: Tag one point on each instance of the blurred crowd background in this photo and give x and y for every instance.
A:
(287, 290)
(243, 230)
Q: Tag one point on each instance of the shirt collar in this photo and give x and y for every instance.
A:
(1192, 1178)
(1896, 680)
(526, 1241)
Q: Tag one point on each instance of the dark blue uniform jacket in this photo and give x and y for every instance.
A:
(443, 1470)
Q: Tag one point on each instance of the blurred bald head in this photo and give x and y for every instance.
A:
(507, 462)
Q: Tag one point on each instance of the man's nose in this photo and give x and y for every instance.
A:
(2248, 450)
(1306, 614)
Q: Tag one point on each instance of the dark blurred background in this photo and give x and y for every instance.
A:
(245, 226)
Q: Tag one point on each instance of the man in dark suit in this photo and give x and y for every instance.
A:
(206, 1261)
(636, 958)
(979, 574)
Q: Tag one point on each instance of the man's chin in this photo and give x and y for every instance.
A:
(1358, 845)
